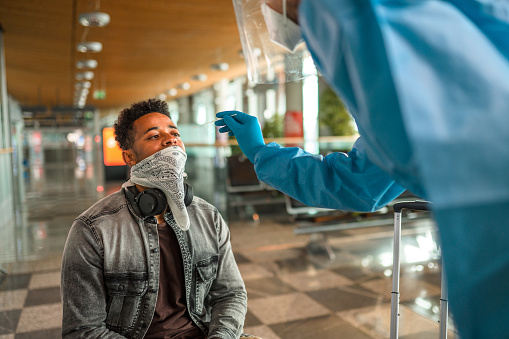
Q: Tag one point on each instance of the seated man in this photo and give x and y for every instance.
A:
(151, 261)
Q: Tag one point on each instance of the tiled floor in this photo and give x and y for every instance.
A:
(295, 290)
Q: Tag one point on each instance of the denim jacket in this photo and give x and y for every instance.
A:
(110, 272)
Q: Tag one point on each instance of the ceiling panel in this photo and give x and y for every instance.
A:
(148, 48)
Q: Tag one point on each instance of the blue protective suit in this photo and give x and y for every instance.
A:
(427, 82)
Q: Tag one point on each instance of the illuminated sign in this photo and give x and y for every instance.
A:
(112, 154)
(99, 94)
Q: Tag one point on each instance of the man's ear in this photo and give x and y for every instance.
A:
(129, 157)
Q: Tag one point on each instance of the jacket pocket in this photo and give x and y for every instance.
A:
(125, 291)
(206, 272)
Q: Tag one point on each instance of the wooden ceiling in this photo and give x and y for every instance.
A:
(149, 47)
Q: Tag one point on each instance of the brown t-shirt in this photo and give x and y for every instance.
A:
(171, 317)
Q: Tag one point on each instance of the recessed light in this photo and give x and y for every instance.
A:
(94, 19)
(222, 66)
(82, 84)
(88, 75)
(91, 46)
(199, 77)
(89, 63)
(184, 86)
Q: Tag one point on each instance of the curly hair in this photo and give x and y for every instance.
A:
(123, 127)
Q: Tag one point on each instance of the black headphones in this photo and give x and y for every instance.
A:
(152, 201)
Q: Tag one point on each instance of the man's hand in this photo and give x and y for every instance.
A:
(245, 128)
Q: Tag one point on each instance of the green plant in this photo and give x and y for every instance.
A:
(333, 117)
(273, 127)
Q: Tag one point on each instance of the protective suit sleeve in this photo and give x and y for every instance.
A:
(345, 181)
(426, 82)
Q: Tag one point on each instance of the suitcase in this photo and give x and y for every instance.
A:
(398, 208)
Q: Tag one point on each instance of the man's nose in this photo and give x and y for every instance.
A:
(170, 140)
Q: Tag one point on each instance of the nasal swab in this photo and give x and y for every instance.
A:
(211, 122)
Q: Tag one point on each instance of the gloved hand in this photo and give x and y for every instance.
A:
(245, 128)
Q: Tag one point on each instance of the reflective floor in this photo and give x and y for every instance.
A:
(296, 288)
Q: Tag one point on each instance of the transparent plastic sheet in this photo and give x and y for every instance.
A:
(266, 61)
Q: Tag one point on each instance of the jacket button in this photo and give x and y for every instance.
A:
(153, 290)
(155, 250)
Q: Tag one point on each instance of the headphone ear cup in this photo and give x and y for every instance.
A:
(151, 202)
(131, 193)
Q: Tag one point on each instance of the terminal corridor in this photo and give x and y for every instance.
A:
(295, 288)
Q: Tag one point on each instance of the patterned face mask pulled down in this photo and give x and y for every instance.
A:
(164, 170)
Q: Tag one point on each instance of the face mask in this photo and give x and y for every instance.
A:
(282, 30)
(165, 170)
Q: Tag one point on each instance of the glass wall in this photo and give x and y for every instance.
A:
(199, 136)
(7, 220)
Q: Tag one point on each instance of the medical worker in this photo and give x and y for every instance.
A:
(428, 85)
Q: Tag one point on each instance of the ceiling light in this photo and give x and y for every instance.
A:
(94, 19)
(89, 63)
(199, 77)
(88, 75)
(91, 46)
(172, 92)
(222, 66)
(80, 96)
(82, 84)
(162, 97)
(184, 86)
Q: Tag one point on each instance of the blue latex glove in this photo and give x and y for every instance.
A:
(245, 128)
